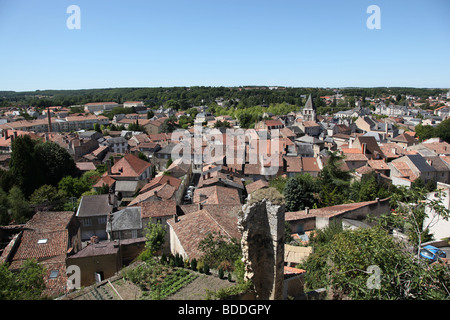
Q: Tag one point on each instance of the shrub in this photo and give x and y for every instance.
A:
(194, 264)
(221, 273)
(229, 277)
(200, 266)
(206, 268)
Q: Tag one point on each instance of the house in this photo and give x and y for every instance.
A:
(129, 168)
(126, 190)
(159, 193)
(437, 225)
(310, 219)
(310, 128)
(258, 184)
(411, 167)
(97, 261)
(154, 126)
(135, 104)
(269, 124)
(442, 168)
(117, 144)
(92, 215)
(311, 166)
(186, 231)
(49, 237)
(125, 224)
(368, 146)
(216, 195)
(94, 107)
(159, 212)
(220, 177)
(405, 140)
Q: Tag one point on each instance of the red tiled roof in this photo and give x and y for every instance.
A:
(193, 227)
(129, 166)
(217, 195)
(328, 211)
(310, 164)
(153, 209)
(259, 184)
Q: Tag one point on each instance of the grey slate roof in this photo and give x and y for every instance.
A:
(95, 205)
(126, 219)
(420, 163)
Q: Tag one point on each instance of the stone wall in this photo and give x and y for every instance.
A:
(261, 223)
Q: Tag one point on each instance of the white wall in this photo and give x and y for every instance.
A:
(438, 227)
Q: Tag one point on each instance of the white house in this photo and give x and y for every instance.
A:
(437, 225)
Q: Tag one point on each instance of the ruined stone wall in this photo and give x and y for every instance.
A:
(261, 223)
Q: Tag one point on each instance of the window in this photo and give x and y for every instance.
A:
(53, 274)
(134, 234)
(101, 220)
(87, 222)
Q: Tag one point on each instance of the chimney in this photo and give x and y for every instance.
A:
(49, 120)
(6, 135)
(364, 148)
(200, 206)
(94, 239)
(175, 218)
(15, 134)
(307, 210)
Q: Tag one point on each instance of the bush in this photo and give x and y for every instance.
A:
(194, 264)
(229, 277)
(206, 268)
(200, 266)
(221, 275)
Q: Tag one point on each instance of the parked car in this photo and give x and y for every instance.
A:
(432, 253)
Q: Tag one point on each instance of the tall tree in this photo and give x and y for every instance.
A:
(300, 192)
(55, 162)
(334, 181)
(23, 165)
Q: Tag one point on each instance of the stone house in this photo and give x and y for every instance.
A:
(310, 219)
(92, 214)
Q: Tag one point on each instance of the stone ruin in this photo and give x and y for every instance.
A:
(261, 223)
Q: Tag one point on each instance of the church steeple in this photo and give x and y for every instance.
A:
(309, 111)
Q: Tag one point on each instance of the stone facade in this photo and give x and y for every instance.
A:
(261, 223)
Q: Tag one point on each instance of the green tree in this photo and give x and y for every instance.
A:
(5, 218)
(369, 188)
(47, 196)
(300, 192)
(20, 209)
(334, 181)
(27, 284)
(278, 183)
(217, 248)
(345, 262)
(55, 162)
(443, 130)
(155, 234)
(23, 165)
(425, 132)
(73, 187)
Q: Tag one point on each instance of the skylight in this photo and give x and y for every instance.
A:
(53, 274)
(42, 241)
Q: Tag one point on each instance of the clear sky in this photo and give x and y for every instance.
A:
(294, 43)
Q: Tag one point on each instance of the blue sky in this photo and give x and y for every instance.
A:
(223, 43)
